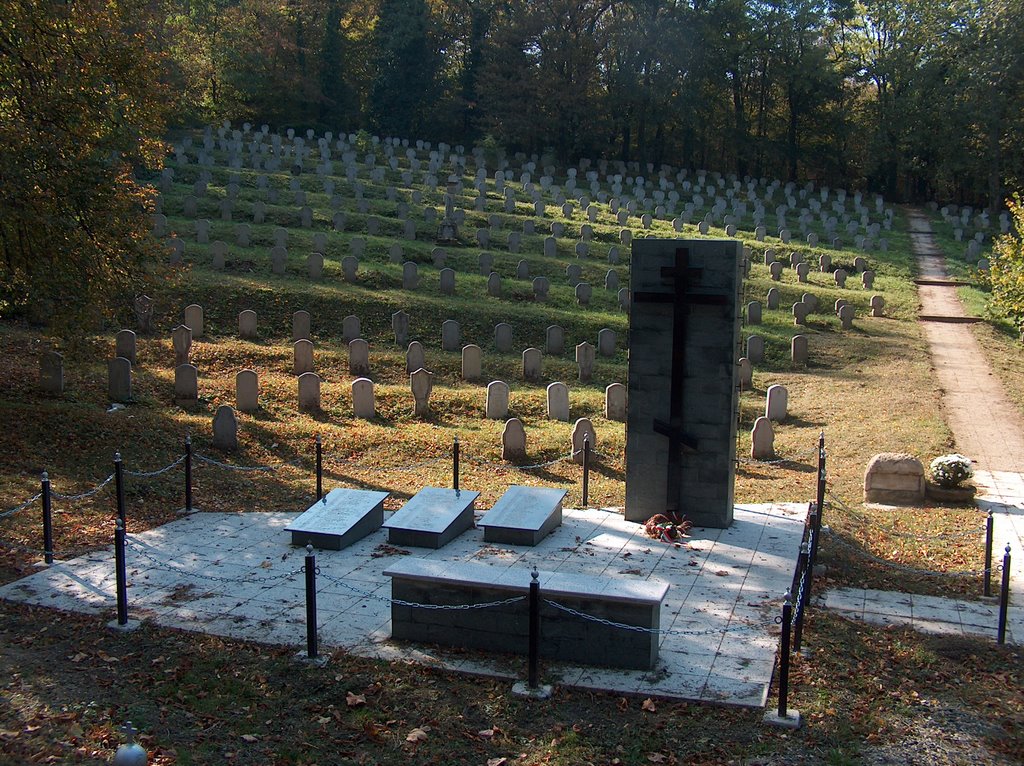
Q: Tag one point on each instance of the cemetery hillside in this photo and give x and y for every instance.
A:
(511, 383)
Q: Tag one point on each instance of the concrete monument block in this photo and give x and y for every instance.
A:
(309, 390)
(415, 358)
(358, 357)
(776, 406)
(247, 329)
(247, 391)
(894, 478)
(363, 402)
(496, 407)
(513, 440)
(472, 358)
(585, 353)
(421, 382)
(302, 357)
(762, 439)
(558, 401)
(51, 373)
(225, 429)
(615, 402)
(301, 326)
(124, 345)
(582, 429)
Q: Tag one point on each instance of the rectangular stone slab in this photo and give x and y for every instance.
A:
(340, 518)
(432, 518)
(505, 627)
(523, 515)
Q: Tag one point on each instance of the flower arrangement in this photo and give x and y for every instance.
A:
(951, 470)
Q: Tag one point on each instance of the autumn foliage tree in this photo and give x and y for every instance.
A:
(80, 108)
(1007, 267)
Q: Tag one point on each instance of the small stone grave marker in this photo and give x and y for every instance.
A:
(247, 391)
(225, 429)
(51, 373)
(358, 357)
(363, 402)
(496, 407)
(776, 406)
(513, 440)
(421, 382)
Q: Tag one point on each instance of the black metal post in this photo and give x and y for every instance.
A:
(988, 554)
(122, 579)
(812, 552)
(47, 521)
(787, 619)
(586, 470)
(534, 628)
(310, 570)
(801, 564)
(455, 464)
(119, 484)
(188, 473)
(820, 499)
(1004, 597)
(319, 468)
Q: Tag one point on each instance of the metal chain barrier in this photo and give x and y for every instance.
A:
(87, 493)
(531, 467)
(659, 631)
(141, 551)
(21, 507)
(783, 459)
(400, 602)
(901, 567)
(157, 472)
(896, 533)
(379, 469)
(268, 468)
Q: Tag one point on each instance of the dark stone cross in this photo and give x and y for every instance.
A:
(682, 277)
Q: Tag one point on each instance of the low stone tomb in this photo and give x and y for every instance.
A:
(894, 478)
(341, 517)
(432, 518)
(505, 628)
(523, 515)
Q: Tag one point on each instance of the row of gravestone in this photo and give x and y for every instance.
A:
(352, 170)
(496, 405)
(351, 330)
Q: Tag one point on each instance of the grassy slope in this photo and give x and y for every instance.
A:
(869, 389)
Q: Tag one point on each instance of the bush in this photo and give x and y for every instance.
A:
(1007, 267)
(951, 470)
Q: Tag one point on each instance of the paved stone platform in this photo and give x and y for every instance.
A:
(926, 614)
(237, 575)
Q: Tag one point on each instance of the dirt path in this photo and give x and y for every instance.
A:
(985, 424)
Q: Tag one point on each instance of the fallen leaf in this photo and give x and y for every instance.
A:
(79, 657)
(721, 573)
(416, 735)
(497, 761)
(485, 733)
(656, 758)
(323, 719)
(265, 565)
(250, 738)
(649, 706)
(354, 700)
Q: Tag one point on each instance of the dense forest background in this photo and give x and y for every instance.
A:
(916, 99)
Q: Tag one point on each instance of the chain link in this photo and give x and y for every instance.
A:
(21, 507)
(531, 467)
(157, 472)
(87, 493)
(166, 566)
(378, 469)
(659, 631)
(896, 533)
(417, 605)
(268, 468)
(902, 567)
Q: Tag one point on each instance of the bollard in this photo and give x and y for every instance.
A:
(122, 579)
(47, 521)
(820, 499)
(319, 468)
(534, 628)
(787, 619)
(1004, 597)
(988, 554)
(586, 470)
(455, 464)
(310, 570)
(188, 473)
(119, 484)
(801, 564)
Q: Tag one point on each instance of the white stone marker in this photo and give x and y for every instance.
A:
(558, 401)
(776, 403)
(513, 440)
(363, 404)
(496, 407)
(615, 402)
(580, 429)
(762, 439)
(247, 391)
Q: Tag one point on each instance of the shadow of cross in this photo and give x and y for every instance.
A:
(681, 278)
